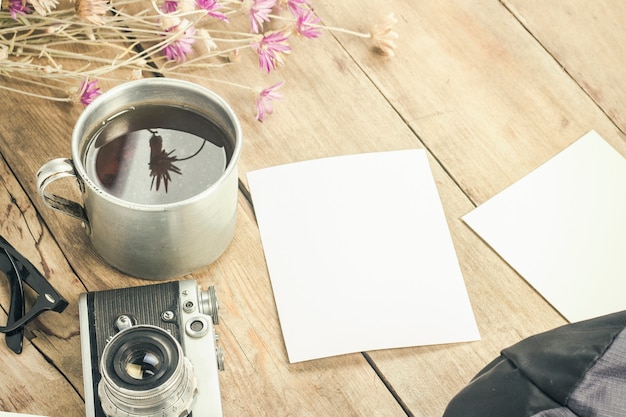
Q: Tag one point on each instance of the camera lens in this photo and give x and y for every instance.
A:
(143, 364)
(144, 372)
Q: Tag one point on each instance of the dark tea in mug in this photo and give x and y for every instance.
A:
(156, 154)
(155, 161)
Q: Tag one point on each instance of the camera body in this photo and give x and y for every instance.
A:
(151, 350)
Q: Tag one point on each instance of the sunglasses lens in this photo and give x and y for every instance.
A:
(12, 304)
(5, 298)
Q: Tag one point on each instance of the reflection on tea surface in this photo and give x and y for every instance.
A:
(156, 154)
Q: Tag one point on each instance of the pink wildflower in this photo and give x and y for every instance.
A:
(307, 24)
(18, 7)
(169, 6)
(88, 91)
(212, 7)
(259, 13)
(264, 101)
(296, 6)
(270, 48)
(178, 49)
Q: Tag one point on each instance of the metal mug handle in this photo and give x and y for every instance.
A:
(51, 171)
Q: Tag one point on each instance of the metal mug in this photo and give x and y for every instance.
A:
(151, 241)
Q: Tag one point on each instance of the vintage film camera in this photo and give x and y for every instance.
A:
(151, 351)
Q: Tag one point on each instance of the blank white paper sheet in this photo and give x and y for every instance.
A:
(359, 255)
(563, 228)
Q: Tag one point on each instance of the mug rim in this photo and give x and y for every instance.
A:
(78, 134)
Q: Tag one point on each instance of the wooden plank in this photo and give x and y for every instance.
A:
(477, 88)
(491, 105)
(587, 39)
(257, 368)
(344, 114)
(31, 385)
(28, 142)
(260, 381)
(27, 378)
(471, 84)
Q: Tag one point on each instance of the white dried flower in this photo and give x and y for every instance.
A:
(169, 22)
(207, 40)
(43, 7)
(186, 5)
(92, 11)
(383, 37)
(234, 56)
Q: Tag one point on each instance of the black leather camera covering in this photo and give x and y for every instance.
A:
(575, 370)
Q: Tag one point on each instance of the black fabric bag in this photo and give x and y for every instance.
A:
(577, 370)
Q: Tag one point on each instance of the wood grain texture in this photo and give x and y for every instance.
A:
(257, 367)
(587, 40)
(491, 104)
(32, 385)
(492, 89)
(481, 92)
(26, 379)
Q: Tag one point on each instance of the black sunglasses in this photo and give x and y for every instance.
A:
(18, 270)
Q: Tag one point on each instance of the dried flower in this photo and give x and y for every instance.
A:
(207, 40)
(88, 91)
(295, 6)
(270, 49)
(44, 7)
(264, 101)
(307, 24)
(259, 13)
(39, 51)
(383, 37)
(186, 6)
(182, 44)
(92, 10)
(170, 21)
(18, 7)
(234, 56)
(212, 7)
(169, 6)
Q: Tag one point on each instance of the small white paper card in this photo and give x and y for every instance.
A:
(563, 228)
(359, 255)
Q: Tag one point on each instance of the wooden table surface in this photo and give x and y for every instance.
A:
(491, 89)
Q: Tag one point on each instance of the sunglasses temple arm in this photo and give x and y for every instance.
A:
(48, 298)
(15, 338)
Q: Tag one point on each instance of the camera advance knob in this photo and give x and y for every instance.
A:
(209, 304)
